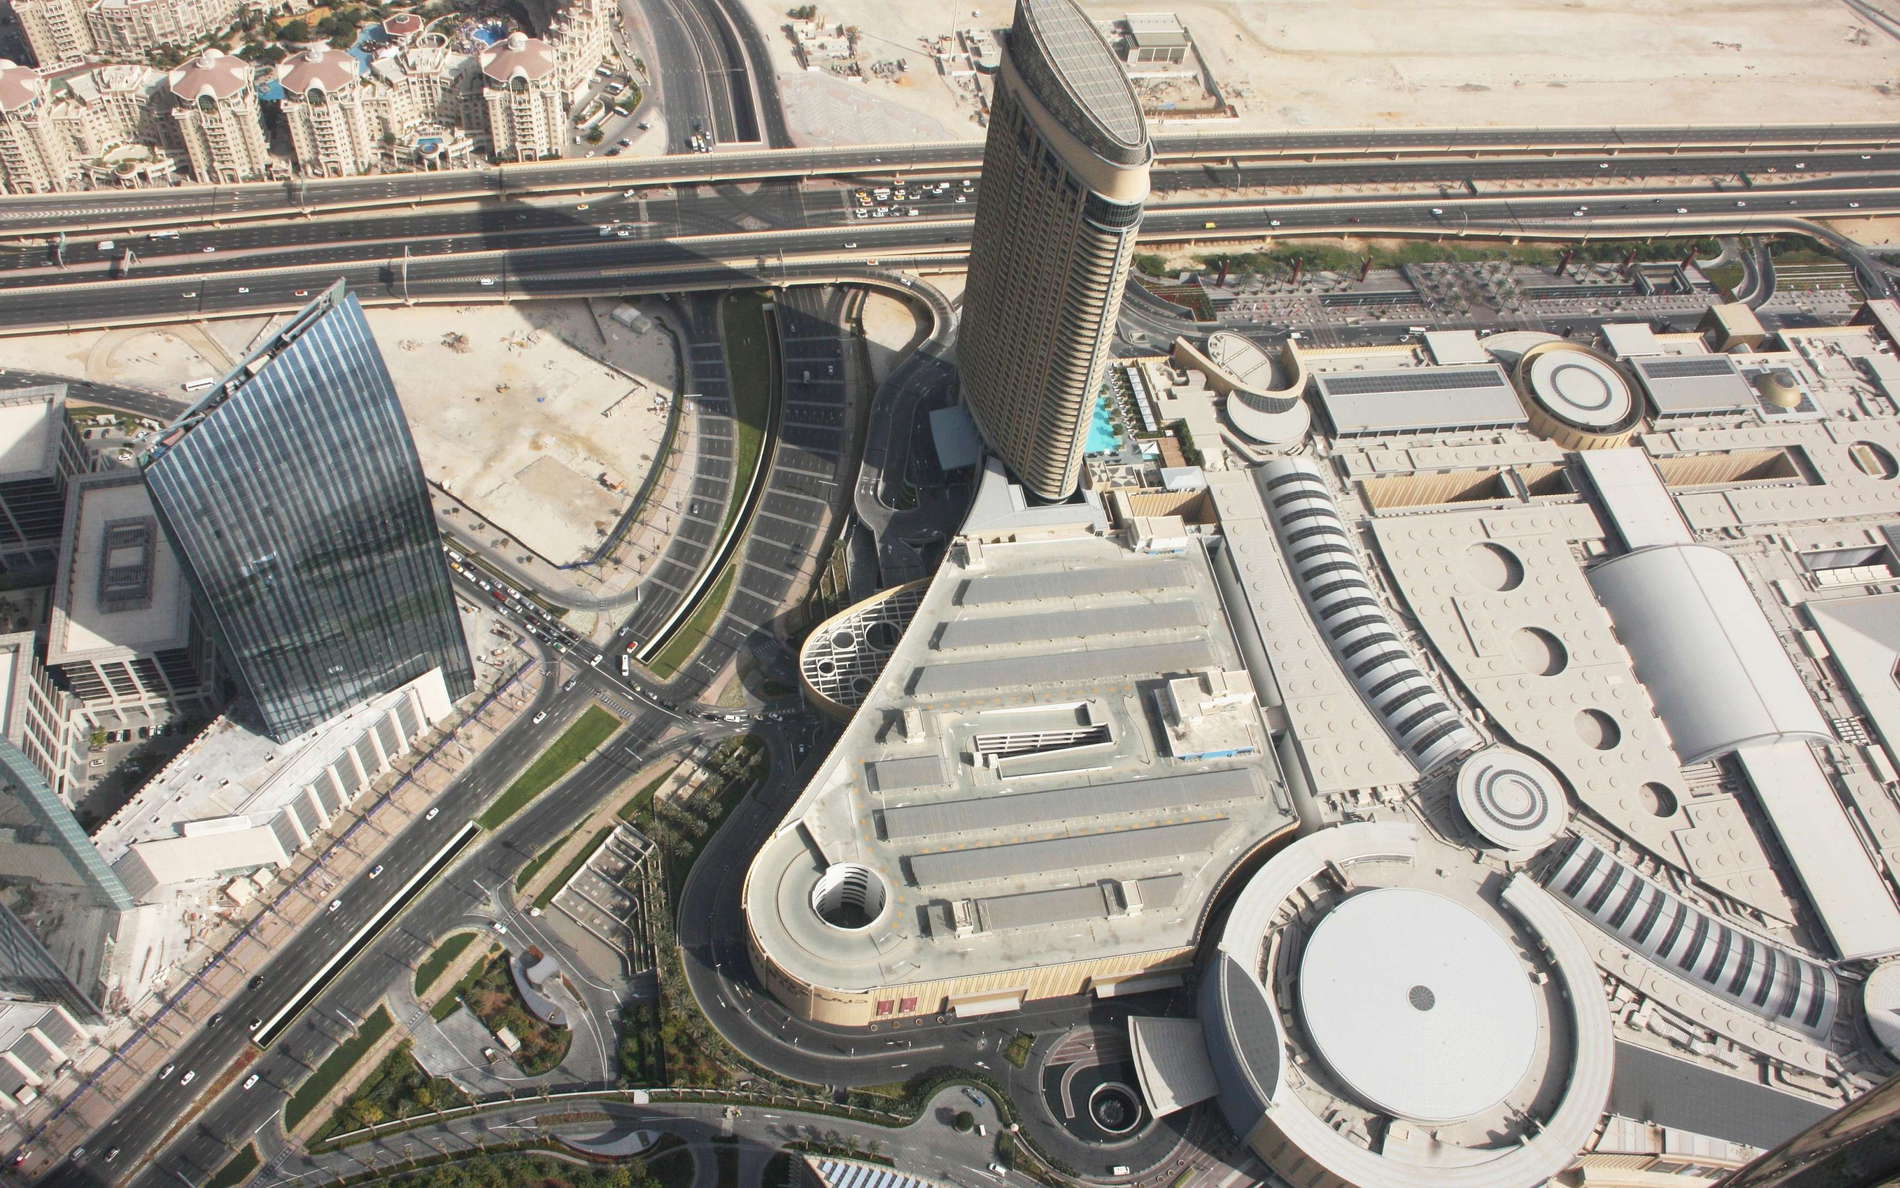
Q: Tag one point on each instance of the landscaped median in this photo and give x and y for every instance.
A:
(334, 1068)
(752, 372)
(237, 1169)
(595, 727)
(436, 963)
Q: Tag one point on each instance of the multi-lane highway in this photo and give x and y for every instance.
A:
(649, 212)
(171, 206)
(150, 1111)
(606, 265)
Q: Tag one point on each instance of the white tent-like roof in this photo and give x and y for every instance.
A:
(1705, 650)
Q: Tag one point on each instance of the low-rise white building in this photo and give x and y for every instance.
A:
(235, 801)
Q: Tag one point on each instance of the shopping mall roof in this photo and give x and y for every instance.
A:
(1417, 1004)
(1003, 798)
(1705, 650)
(1693, 385)
(1415, 399)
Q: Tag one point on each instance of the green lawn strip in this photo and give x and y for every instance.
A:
(749, 373)
(540, 860)
(445, 1006)
(580, 739)
(399, 1088)
(573, 865)
(236, 1170)
(689, 635)
(642, 801)
(334, 1068)
(444, 956)
(749, 365)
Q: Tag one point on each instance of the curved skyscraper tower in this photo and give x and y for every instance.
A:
(1065, 173)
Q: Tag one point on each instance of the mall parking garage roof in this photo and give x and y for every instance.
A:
(1010, 797)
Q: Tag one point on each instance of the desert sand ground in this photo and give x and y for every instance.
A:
(1411, 63)
(518, 415)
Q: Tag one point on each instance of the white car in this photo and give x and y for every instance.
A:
(250, 1080)
(430, 815)
(334, 905)
(378, 872)
(541, 717)
(488, 281)
(189, 1077)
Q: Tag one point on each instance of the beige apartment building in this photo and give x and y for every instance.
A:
(1065, 173)
(333, 131)
(56, 30)
(34, 157)
(216, 116)
(133, 28)
(521, 91)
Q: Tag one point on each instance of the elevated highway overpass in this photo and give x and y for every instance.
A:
(188, 205)
(609, 266)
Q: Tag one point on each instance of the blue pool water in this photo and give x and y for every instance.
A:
(492, 33)
(1102, 436)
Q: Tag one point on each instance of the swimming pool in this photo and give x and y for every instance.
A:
(1102, 436)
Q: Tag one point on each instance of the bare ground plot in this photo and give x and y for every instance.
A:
(528, 412)
(517, 410)
(1434, 63)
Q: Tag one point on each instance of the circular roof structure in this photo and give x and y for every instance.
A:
(1417, 1004)
(318, 69)
(521, 56)
(1508, 346)
(212, 74)
(1580, 388)
(1881, 1000)
(20, 86)
(1512, 799)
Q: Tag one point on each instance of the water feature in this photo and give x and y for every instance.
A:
(1102, 436)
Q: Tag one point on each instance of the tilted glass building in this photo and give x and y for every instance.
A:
(59, 901)
(1065, 173)
(293, 493)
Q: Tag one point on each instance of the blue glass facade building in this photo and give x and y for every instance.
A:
(294, 495)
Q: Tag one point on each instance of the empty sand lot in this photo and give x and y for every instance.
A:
(516, 410)
(1420, 63)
